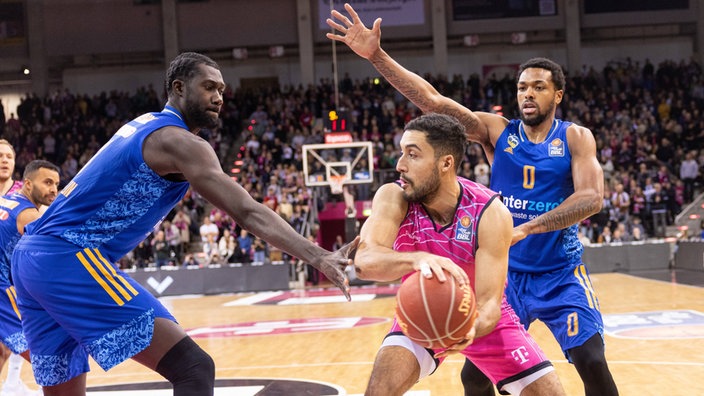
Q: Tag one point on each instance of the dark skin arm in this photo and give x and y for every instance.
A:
(480, 127)
(586, 200)
(177, 154)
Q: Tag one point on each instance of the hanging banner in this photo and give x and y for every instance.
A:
(393, 12)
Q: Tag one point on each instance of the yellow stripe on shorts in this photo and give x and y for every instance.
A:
(12, 295)
(104, 277)
(580, 273)
(114, 273)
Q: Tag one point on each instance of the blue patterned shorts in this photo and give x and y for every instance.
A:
(10, 324)
(564, 300)
(74, 302)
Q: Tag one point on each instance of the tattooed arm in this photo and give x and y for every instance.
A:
(366, 43)
(588, 189)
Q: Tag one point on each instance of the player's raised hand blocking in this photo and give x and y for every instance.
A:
(362, 40)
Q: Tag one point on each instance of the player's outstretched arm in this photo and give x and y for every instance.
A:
(176, 153)
(375, 258)
(588, 179)
(491, 264)
(366, 43)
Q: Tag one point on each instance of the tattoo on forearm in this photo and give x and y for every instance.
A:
(415, 95)
(407, 88)
(567, 216)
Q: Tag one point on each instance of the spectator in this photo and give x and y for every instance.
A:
(161, 250)
(143, 254)
(226, 245)
(211, 251)
(689, 172)
(208, 231)
(621, 203)
(245, 242)
(605, 236)
(189, 260)
(259, 250)
(173, 239)
(182, 221)
(482, 172)
(238, 255)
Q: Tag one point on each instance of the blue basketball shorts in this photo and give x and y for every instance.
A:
(564, 300)
(10, 323)
(75, 303)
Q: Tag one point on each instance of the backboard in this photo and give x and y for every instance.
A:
(353, 160)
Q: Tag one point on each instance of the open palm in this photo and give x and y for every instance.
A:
(362, 40)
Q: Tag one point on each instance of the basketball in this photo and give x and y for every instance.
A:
(435, 314)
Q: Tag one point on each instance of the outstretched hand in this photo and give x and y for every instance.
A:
(333, 265)
(362, 40)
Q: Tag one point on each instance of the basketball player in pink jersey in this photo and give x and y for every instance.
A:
(431, 220)
(7, 168)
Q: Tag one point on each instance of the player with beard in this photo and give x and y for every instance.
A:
(41, 181)
(547, 171)
(13, 383)
(430, 221)
(73, 299)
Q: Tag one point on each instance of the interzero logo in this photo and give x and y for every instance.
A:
(290, 326)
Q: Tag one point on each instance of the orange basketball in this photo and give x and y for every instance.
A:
(435, 314)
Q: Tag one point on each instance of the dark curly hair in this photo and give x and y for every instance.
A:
(558, 76)
(444, 133)
(185, 66)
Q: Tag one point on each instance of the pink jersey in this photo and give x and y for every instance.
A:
(508, 352)
(15, 186)
(458, 240)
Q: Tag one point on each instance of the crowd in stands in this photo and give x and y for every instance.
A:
(647, 121)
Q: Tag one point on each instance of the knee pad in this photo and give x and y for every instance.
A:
(189, 369)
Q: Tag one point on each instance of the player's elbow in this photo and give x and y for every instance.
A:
(596, 201)
(363, 263)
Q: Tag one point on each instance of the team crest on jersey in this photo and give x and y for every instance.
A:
(557, 148)
(464, 230)
(512, 141)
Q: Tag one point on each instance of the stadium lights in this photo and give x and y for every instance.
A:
(519, 38)
(471, 40)
(240, 53)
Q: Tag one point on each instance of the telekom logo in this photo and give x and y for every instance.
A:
(520, 355)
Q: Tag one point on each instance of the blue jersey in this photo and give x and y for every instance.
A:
(534, 178)
(116, 200)
(11, 206)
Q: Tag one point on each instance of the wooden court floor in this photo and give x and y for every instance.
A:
(655, 341)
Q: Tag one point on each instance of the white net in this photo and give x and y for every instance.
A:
(336, 183)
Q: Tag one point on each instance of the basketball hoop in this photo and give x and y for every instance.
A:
(336, 183)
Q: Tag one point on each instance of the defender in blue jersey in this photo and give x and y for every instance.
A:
(17, 210)
(73, 300)
(548, 173)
